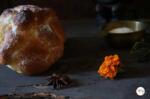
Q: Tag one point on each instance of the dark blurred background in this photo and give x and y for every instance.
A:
(77, 9)
(66, 9)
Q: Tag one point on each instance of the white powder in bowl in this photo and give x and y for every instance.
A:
(121, 30)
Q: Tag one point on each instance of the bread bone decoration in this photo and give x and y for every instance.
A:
(31, 39)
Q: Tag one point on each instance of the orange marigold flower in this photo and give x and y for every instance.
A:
(110, 66)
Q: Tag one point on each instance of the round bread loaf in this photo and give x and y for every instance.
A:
(31, 39)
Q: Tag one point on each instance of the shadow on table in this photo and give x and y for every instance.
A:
(80, 54)
(74, 67)
(135, 72)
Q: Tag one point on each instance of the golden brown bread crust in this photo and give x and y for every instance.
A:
(31, 39)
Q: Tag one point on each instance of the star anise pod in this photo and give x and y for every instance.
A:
(59, 81)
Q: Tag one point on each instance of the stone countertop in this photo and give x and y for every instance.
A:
(81, 60)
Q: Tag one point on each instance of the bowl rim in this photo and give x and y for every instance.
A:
(121, 33)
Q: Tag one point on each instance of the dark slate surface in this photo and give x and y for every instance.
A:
(81, 60)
